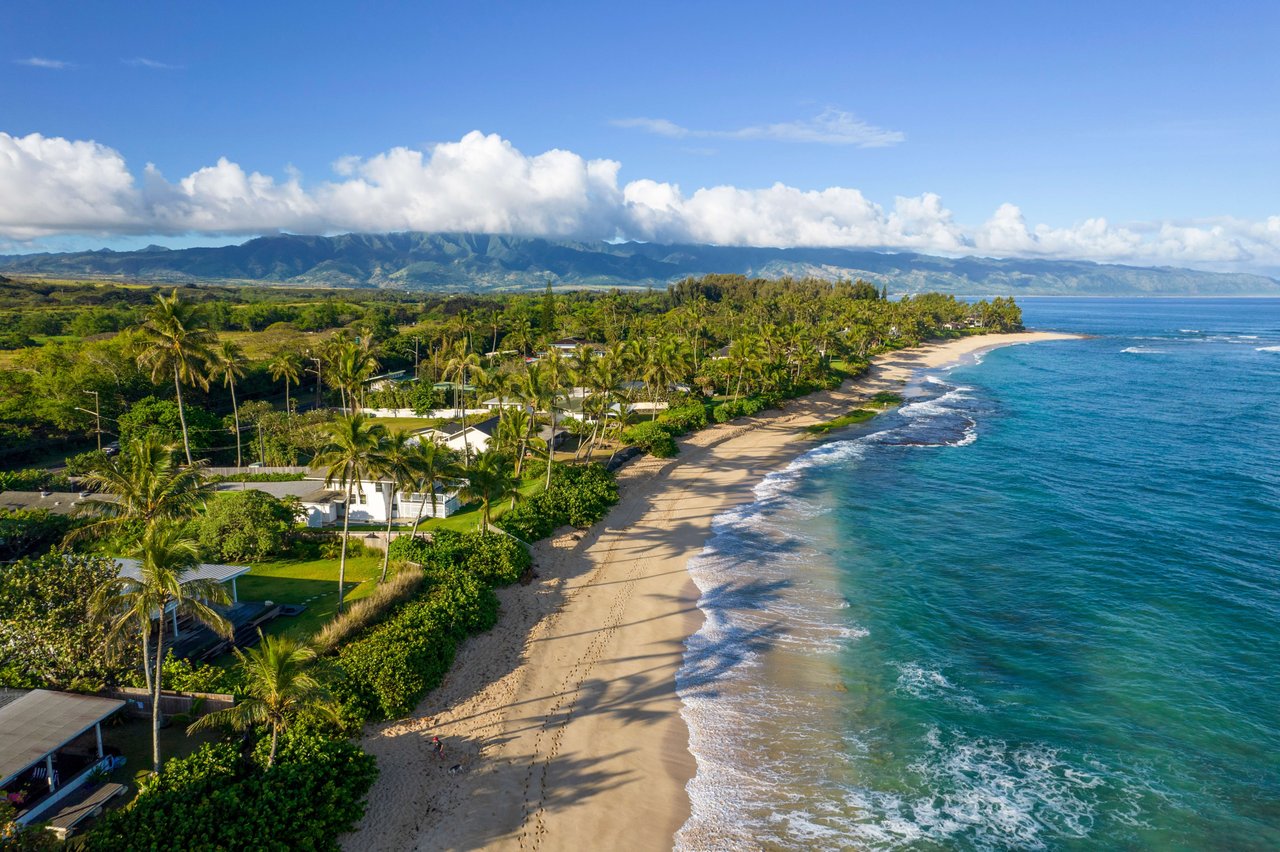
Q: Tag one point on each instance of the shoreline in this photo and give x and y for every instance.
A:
(564, 719)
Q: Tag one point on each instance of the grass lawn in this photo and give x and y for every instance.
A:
(312, 582)
(415, 424)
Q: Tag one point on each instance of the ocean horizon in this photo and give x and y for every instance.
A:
(1034, 607)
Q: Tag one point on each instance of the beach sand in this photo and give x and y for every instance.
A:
(563, 721)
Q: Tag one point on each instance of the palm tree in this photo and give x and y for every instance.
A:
(459, 366)
(489, 480)
(166, 555)
(286, 365)
(226, 363)
(433, 465)
(394, 461)
(554, 372)
(149, 487)
(177, 344)
(349, 459)
(277, 688)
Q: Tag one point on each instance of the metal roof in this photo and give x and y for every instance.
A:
(132, 569)
(41, 722)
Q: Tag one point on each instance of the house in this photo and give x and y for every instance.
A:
(323, 505)
(50, 747)
(473, 438)
(386, 381)
(56, 502)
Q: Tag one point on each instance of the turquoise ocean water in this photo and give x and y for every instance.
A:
(1037, 607)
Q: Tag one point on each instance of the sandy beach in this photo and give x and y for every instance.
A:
(563, 721)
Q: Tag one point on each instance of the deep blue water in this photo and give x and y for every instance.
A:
(1036, 607)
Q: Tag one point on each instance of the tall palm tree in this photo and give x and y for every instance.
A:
(489, 480)
(227, 365)
(459, 366)
(177, 344)
(277, 688)
(286, 365)
(394, 462)
(166, 556)
(349, 459)
(433, 466)
(148, 484)
(555, 372)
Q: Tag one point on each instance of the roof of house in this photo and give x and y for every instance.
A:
(454, 428)
(58, 502)
(132, 569)
(43, 721)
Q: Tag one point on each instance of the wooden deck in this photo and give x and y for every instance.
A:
(82, 807)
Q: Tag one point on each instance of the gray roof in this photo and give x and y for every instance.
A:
(306, 490)
(58, 502)
(41, 722)
(132, 569)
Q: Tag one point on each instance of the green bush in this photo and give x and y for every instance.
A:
(684, 419)
(388, 670)
(185, 676)
(652, 438)
(28, 532)
(81, 463)
(579, 496)
(215, 800)
(495, 560)
(153, 416)
(33, 480)
(244, 526)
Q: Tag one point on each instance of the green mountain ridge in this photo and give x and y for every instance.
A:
(447, 262)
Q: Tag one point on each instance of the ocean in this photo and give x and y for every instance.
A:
(1035, 607)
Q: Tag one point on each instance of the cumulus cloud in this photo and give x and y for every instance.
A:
(830, 127)
(50, 186)
(43, 62)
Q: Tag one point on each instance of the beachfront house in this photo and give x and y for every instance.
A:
(52, 756)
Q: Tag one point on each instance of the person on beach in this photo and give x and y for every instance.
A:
(438, 747)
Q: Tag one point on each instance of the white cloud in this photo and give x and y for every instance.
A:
(42, 62)
(830, 127)
(51, 187)
(153, 64)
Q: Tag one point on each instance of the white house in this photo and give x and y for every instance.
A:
(371, 501)
(474, 438)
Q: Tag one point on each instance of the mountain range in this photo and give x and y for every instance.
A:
(443, 262)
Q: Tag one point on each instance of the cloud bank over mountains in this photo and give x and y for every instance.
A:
(51, 186)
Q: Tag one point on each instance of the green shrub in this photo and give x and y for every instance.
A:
(214, 800)
(244, 526)
(28, 532)
(388, 670)
(369, 611)
(33, 480)
(81, 463)
(579, 496)
(684, 419)
(652, 438)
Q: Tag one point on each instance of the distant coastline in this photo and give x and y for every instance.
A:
(566, 714)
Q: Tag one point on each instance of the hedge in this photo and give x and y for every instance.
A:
(579, 497)
(653, 438)
(214, 800)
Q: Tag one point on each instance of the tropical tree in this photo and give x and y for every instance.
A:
(149, 487)
(166, 556)
(489, 480)
(433, 466)
(458, 369)
(226, 364)
(177, 344)
(286, 366)
(394, 462)
(278, 687)
(349, 459)
(554, 372)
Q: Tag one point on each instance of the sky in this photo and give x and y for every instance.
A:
(1133, 132)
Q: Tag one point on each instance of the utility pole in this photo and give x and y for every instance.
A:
(317, 360)
(262, 446)
(97, 417)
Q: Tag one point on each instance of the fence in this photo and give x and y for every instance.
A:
(238, 471)
(138, 701)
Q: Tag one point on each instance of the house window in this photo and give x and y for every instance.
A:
(361, 497)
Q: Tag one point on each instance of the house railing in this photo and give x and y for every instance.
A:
(172, 703)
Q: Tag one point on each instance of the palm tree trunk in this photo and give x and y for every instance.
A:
(417, 520)
(551, 442)
(275, 733)
(342, 560)
(146, 660)
(182, 417)
(235, 412)
(386, 556)
(155, 702)
(286, 394)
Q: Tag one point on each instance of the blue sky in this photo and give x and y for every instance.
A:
(1159, 118)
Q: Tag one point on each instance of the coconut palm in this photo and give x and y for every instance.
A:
(458, 368)
(166, 556)
(177, 344)
(394, 462)
(286, 366)
(489, 480)
(278, 687)
(226, 364)
(554, 372)
(433, 466)
(149, 487)
(349, 458)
